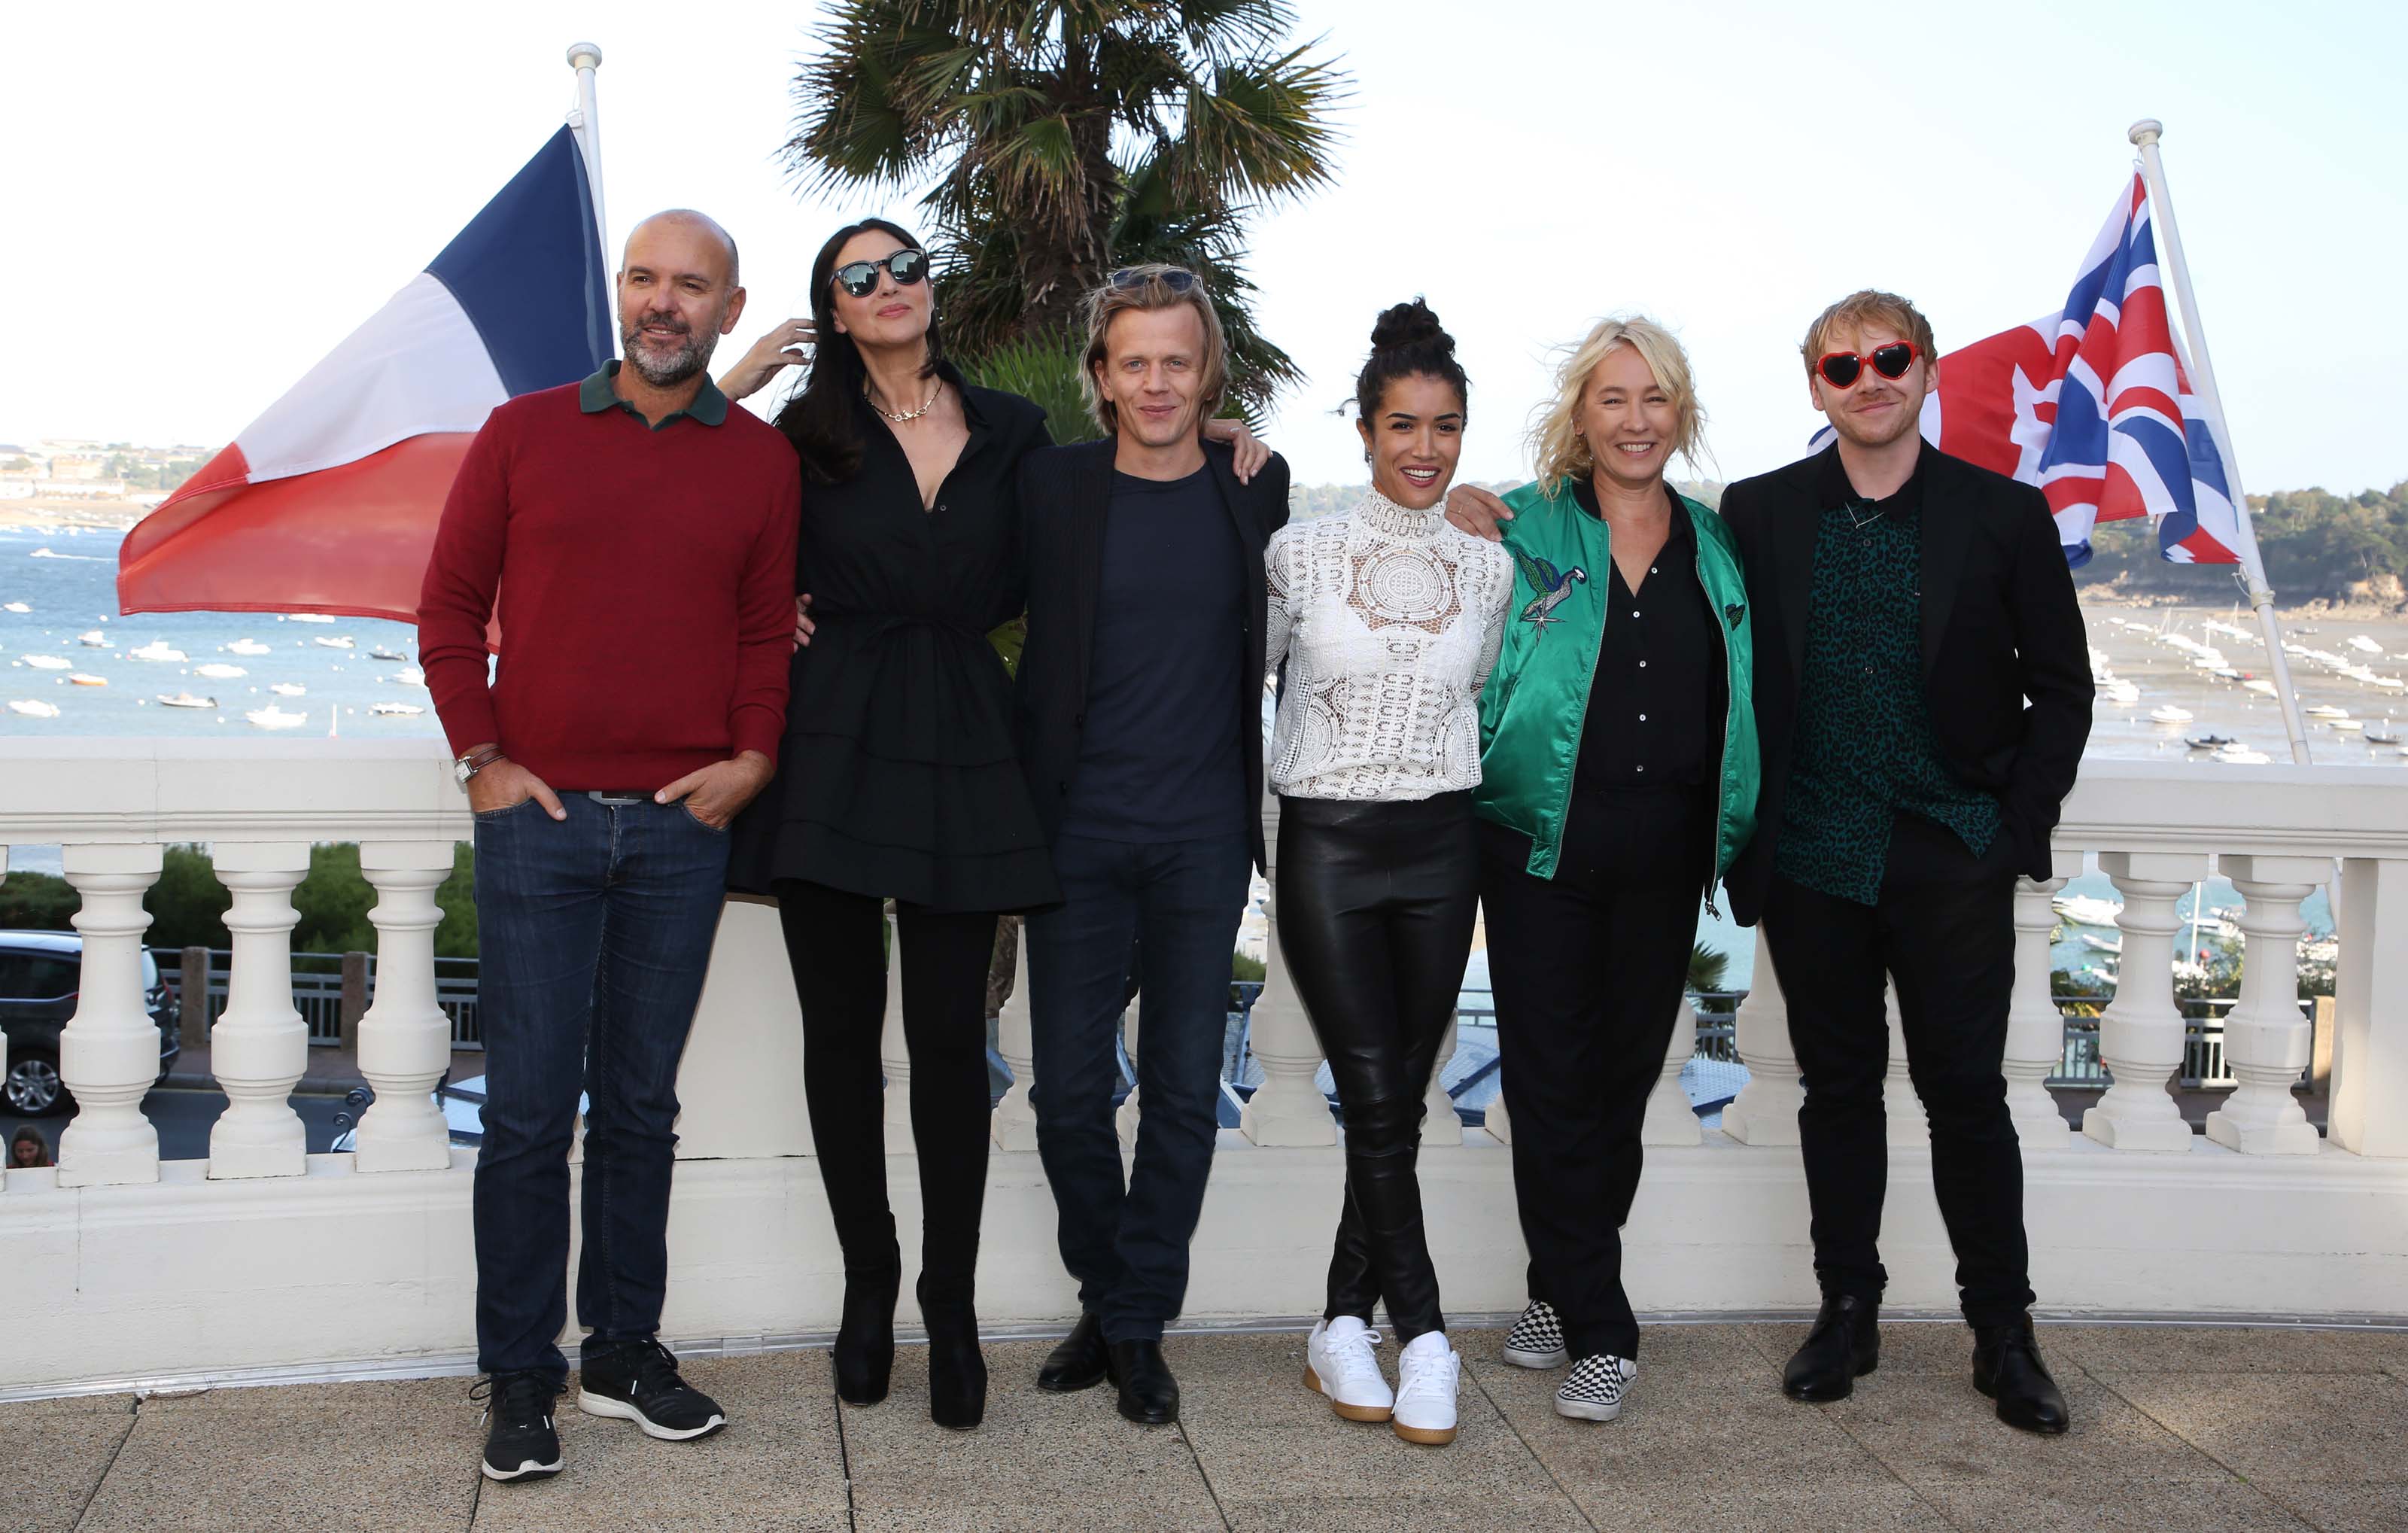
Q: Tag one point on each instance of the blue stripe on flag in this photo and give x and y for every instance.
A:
(529, 272)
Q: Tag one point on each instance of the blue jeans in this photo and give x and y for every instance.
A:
(1178, 903)
(594, 933)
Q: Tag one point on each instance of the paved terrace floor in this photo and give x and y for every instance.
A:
(2175, 1429)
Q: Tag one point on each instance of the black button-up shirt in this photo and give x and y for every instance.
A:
(1656, 701)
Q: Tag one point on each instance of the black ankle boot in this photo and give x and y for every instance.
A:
(865, 1342)
(2007, 1367)
(956, 1367)
(1843, 1346)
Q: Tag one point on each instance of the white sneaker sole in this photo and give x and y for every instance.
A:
(1352, 1413)
(1586, 1410)
(1556, 1358)
(603, 1405)
(529, 1469)
(1429, 1437)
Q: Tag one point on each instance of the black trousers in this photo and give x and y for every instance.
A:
(1944, 930)
(1376, 906)
(1590, 968)
(836, 942)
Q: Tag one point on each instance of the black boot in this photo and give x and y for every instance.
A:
(1843, 1346)
(1080, 1361)
(2007, 1367)
(865, 1342)
(956, 1367)
(1149, 1393)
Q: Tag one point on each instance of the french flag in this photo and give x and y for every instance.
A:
(328, 502)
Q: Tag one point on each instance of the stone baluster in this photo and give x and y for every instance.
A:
(1670, 1119)
(260, 1047)
(1765, 1111)
(1497, 1121)
(1287, 1108)
(1909, 1124)
(1125, 1119)
(2035, 1027)
(109, 1051)
(2266, 1038)
(1014, 1123)
(2370, 1054)
(1440, 1124)
(405, 1040)
(893, 1051)
(2141, 1032)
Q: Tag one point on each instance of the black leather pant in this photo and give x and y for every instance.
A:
(1376, 904)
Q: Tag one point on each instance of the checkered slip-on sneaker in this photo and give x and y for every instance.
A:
(1537, 1339)
(1595, 1388)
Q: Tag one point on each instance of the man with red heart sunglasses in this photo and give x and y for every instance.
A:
(1922, 697)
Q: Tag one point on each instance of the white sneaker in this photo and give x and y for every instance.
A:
(1537, 1339)
(1593, 1389)
(1339, 1362)
(1427, 1376)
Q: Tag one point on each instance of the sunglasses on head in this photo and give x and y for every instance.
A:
(860, 278)
(1841, 369)
(1173, 278)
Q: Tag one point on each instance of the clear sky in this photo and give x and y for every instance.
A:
(198, 204)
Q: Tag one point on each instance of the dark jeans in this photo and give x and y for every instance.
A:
(1180, 902)
(1589, 968)
(837, 944)
(593, 934)
(1376, 904)
(1944, 930)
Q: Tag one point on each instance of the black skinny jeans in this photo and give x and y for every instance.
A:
(1588, 969)
(836, 943)
(1376, 904)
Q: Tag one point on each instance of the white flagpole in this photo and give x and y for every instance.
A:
(585, 118)
(2144, 134)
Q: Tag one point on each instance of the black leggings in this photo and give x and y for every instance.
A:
(836, 943)
(1376, 904)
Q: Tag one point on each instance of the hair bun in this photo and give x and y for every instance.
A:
(1410, 324)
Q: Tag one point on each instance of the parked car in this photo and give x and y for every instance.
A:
(40, 974)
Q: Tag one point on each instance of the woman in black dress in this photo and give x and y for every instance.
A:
(898, 776)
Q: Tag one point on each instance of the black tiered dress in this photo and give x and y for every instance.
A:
(898, 775)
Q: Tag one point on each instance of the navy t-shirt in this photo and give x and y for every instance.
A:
(1159, 755)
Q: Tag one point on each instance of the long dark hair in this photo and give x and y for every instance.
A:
(821, 420)
(1407, 341)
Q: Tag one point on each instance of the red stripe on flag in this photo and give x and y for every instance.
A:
(352, 540)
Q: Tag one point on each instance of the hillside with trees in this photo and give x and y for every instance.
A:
(2319, 548)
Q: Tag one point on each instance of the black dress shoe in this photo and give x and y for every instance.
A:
(1843, 1346)
(1149, 1394)
(2007, 1367)
(864, 1338)
(1079, 1362)
(956, 1369)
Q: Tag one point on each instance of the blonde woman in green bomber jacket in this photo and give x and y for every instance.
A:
(1618, 779)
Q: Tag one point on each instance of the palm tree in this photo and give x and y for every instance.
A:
(1058, 139)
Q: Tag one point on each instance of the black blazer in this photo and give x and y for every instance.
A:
(2006, 668)
(1064, 494)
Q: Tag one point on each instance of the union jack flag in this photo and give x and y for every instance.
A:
(2094, 405)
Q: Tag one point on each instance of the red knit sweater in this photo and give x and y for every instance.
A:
(646, 585)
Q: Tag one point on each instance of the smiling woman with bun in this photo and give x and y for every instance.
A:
(1386, 620)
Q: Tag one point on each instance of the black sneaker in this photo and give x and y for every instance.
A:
(1537, 1339)
(520, 1442)
(1595, 1388)
(638, 1381)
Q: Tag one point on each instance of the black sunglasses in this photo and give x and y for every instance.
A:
(860, 278)
(1173, 278)
(1841, 369)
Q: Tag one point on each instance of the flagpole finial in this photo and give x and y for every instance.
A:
(585, 56)
(2145, 132)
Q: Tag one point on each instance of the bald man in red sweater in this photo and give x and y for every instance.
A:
(637, 538)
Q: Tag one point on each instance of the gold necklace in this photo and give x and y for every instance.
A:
(926, 405)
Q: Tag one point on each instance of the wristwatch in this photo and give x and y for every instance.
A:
(476, 761)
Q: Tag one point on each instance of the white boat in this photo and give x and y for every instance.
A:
(395, 711)
(158, 649)
(2102, 944)
(247, 647)
(217, 672)
(272, 717)
(2242, 756)
(94, 640)
(410, 676)
(288, 689)
(2364, 645)
(186, 699)
(337, 643)
(16, 607)
(2212, 626)
(82, 678)
(2169, 713)
(2088, 910)
(380, 652)
(46, 662)
(2326, 710)
(34, 710)
(310, 617)
(2345, 725)
(2116, 690)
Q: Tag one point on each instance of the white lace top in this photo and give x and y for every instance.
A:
(1389, 621)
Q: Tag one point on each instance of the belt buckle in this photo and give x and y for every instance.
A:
(601, 795)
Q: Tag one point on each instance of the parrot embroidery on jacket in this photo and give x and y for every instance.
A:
(1552, 584)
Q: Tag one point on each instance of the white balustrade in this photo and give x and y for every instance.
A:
(405, 1040)
(109, 1051)
(1125, 1119)
(260, 1047)
(1014, 1124)
(2266, 1038)
(893, 1050)
(1287, 1108)
(2141, 1031)
(1765, 1111)
(2035, 1027)
(1670, 1119)
(1909, 1124)
(2369, 1080)
(1440, 1124)
(1498, 1120)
